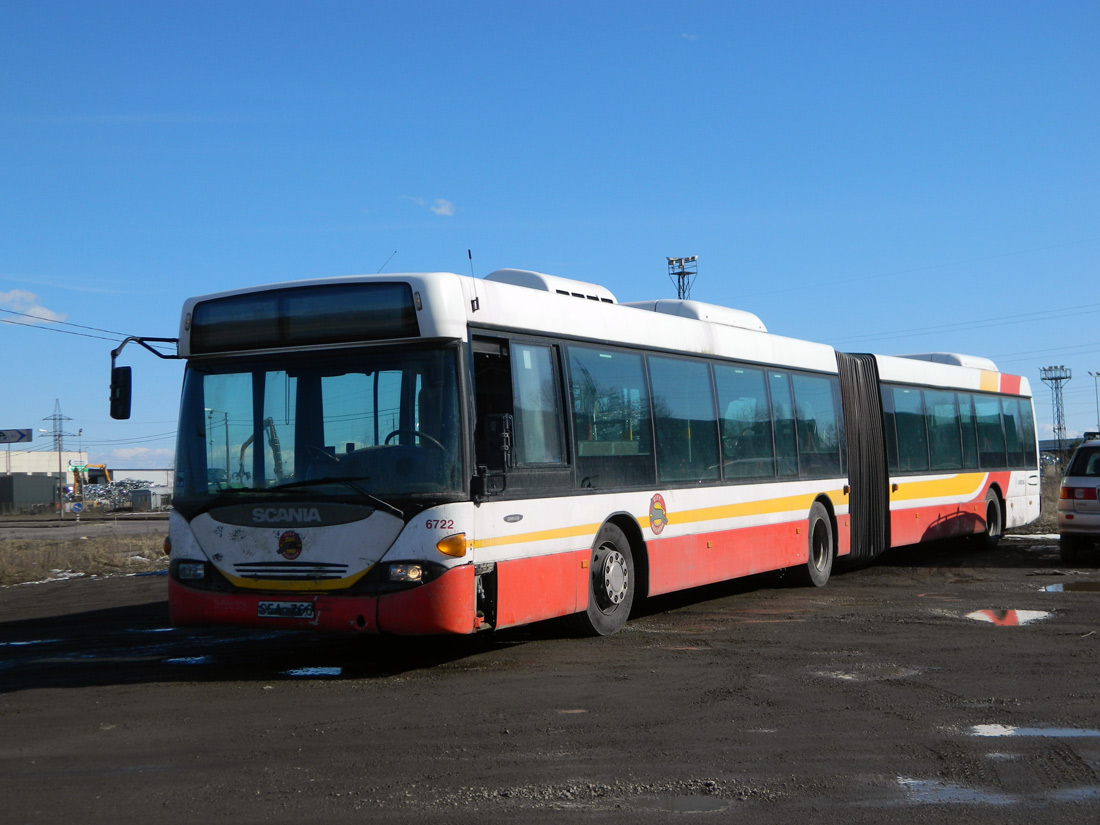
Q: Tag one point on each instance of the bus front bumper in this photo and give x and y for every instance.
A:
(443, 605)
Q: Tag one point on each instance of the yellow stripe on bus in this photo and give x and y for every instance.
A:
(538, 535)
(964, 484)
(284, 585)
(795, 504)
(991, 381)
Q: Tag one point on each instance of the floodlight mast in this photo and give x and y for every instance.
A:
(1054, 377)
(683, 272)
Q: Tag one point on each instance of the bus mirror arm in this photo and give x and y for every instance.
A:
(487, 484)
(122, 379)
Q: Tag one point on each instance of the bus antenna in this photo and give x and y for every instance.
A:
(470, 255)
(390, 258)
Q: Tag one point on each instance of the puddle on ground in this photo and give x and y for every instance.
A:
(1050, 733)
(935, 792)
(1073, 587)
(314, 671)
(870, 673)
(189, 660)
(683, 804)
(1009, 618)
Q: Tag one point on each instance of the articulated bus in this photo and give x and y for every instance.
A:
(434, 453)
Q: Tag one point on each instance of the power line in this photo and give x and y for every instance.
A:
(51, 329)
(55, 321)
(65, 323)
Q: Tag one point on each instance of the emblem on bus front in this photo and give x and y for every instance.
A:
(658, 516)
(290, 545)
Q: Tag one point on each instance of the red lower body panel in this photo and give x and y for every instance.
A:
(912, 525)
(543, 587)
(445, 605)
(691, 561)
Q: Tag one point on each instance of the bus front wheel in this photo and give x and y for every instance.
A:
(611, 584)
(822, 547)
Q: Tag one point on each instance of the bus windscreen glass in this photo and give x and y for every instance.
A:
(387, 420)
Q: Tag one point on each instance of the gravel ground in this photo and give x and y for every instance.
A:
(945, 684)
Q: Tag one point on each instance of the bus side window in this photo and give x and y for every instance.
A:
(683, 403)
(539, 436)
(991, 434)
(943, 430)
(611, 414)
(786, 448)
(967, 426)
(912, 435)
(746, 422)
(818, 429)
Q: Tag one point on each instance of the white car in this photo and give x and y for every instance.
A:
(1079, 500)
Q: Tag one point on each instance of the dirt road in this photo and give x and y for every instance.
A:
(943, 684)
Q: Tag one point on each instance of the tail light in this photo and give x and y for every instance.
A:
(1078, 493)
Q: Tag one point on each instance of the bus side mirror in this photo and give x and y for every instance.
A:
(120, 392)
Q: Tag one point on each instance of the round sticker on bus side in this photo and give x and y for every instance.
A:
(658, 516)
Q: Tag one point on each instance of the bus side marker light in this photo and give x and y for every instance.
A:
(584, 564)
(406, 572)
(167, 545)
(452, 545)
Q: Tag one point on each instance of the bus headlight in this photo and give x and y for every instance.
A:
(406, 572)
(191, 571)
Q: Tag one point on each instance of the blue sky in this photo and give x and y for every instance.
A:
(881, 176)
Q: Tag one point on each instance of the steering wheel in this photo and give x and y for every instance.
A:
(424, 436)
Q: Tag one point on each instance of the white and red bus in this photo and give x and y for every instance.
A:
(435, 453)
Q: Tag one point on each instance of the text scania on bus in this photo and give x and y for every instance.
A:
(434, 453)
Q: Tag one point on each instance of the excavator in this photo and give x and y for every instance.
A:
(276, 452)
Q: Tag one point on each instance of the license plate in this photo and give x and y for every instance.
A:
(285, 610)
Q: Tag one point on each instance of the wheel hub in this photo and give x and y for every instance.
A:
(614, 577)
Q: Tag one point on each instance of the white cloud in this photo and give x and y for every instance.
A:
(690, 37)
(147, 455)
(26, 303)
(439, 206)
(443, 207)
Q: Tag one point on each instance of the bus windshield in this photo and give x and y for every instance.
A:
(385, 422)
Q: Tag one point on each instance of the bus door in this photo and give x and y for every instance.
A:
(519, 433)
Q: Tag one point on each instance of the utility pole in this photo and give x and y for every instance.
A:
(1096, 391)
(683, 272)
(1055, 377)
(58, 435)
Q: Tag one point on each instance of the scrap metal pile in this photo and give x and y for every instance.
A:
(113, 496)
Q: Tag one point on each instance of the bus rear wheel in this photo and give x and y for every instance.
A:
(993, 522)
(822, 548)
(611, 584)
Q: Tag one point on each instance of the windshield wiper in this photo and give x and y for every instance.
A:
(348, 482)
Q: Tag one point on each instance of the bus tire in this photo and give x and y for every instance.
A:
(821, 550)
(994, 528)
(612, 580)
